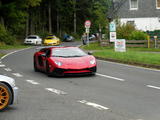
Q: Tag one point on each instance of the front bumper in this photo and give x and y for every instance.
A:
(86, 71)
(15, 95)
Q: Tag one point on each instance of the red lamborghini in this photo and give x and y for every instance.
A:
(60, 61)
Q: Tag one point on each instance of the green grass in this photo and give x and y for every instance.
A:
(1, 55)
(132, 55)
(6, 47)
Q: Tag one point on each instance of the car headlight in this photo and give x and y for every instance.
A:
(58, 63)
(92, 61)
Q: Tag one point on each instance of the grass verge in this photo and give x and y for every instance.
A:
(148, 57)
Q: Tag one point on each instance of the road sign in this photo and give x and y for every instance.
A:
(87, 30)
(87, 24)
(112, 27)
(113, 36)
(120, 45)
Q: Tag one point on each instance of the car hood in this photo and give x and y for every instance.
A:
(8, 80)
(50, 40)
(74, 62)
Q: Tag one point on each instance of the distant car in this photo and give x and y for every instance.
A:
(8, 91)
(68, 38)
(92, 37)
(52, 40)
(60, 61)
(33, 39)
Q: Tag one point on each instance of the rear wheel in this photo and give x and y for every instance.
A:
(5, 96)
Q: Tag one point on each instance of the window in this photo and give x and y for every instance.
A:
(158, 4)
(134, 4)
(130, 22)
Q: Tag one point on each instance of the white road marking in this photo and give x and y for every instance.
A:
(17, 74)
(13, 52)
(155, 87)
(7, 69)
(115, 78)
(97, 106)
(32, 82)
(58, 92)
(2, 65)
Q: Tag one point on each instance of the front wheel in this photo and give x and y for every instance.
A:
(48, 70)
(5, 96)
(35, 66)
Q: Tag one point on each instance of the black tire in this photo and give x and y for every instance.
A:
(47, 70)
(5, 96)
(35, 67)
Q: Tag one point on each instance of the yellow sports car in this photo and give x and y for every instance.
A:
(52, 40)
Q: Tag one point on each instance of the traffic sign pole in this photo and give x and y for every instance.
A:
(87, 25)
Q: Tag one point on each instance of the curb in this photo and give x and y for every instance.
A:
(130, 63)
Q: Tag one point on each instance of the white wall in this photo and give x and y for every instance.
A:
(144, 23)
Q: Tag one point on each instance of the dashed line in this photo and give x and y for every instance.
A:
(2, 65)
(7, 69)
(97, 106)
(32, 82)
(115, 78)
(17, 74)
(155, 87)
(58, 92)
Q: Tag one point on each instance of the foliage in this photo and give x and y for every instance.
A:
(23, 17)
(5, 36)
(138, 35)
(124, 31)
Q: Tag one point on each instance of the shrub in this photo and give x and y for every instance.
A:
(5, 36)
(124, 31)
(138, 35)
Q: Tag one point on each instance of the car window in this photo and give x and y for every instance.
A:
(67, 52)
(31, 37)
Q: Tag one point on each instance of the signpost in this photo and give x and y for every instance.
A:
(112, 29)
(120, 45)
(113, 36)
(87, 25)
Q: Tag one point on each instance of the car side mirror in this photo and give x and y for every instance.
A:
(90, 53)
(43, 55)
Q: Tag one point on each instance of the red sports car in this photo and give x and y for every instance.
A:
(60, 61)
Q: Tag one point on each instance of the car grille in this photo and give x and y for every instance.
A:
(60, 71)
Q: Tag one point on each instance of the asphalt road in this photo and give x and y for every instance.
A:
(116, 92)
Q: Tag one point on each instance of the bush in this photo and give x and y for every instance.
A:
(5, 36)
(124, 31)
(138, 35)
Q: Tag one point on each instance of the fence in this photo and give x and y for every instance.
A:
(135, 43)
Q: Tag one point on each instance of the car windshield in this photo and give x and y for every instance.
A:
(31, 37)
(50, 38)
(67, 52)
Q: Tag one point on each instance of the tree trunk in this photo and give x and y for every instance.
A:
(75, 19)
(75, 22)
(27, 25)
(1, 18)
(49, 18)
(57, 22)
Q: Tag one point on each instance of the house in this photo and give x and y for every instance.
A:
(145, 14)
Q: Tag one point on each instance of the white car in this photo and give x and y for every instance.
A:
(8, 91)
(33, 39)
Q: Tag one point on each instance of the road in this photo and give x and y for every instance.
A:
(116, 92)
